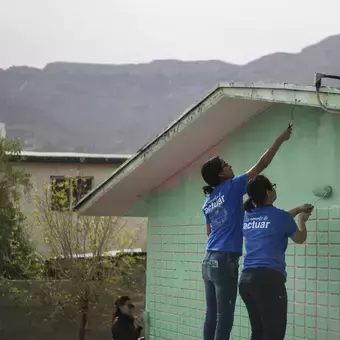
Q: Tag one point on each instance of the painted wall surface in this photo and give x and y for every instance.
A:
(40, 176)
(176, 232)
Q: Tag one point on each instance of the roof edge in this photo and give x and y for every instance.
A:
(80, 204)
(278, 86)
(246, 91)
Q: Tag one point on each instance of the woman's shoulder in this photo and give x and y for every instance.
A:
(268, 210)
(115, 321)
(281, 213)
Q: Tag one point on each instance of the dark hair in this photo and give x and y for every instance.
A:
(118, 303)
(210, 172)
(207, 190)
(257, 191)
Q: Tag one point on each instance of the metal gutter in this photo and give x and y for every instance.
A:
(68, 157)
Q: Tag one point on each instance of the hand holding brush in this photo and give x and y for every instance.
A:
(302, 209)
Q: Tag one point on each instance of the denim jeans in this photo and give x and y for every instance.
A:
(220, 275)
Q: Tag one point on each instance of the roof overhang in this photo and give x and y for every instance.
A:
(199, 129)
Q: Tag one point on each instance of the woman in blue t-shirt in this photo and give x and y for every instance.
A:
(266, 230)
(224, 213)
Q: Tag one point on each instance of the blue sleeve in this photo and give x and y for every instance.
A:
(289, 225)
(207, 219)
(239, 184)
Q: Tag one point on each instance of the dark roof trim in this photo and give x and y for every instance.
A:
(68, 157)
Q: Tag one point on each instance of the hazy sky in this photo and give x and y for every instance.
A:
(36, 32)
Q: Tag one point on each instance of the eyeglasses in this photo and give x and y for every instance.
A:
(274, 186)
(224, 164)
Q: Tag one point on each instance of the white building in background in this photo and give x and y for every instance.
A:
(2, 130)
(93, 169)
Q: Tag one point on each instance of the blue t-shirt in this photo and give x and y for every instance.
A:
(224, 212)
(266, 231)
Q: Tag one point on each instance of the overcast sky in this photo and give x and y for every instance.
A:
(36, 32)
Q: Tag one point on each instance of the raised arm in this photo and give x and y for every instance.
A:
(268, 156)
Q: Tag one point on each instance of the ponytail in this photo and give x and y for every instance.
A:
(208, 190)
(257, 190)
(248, 205)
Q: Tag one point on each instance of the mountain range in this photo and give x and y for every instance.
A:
(118, 108)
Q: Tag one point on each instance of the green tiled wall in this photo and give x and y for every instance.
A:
(175, 289)
(176, 232)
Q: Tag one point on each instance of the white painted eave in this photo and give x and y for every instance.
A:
(229, 106)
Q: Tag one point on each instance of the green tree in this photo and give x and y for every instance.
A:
(15, 250)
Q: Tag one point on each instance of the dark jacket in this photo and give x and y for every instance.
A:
(123, 328)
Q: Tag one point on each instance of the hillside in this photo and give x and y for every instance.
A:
(118, 108)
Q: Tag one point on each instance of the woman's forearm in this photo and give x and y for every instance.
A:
(295, 211)
(302, 229)
(265, 159)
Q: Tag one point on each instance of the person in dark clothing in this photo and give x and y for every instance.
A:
(124, 327)
(266, 230)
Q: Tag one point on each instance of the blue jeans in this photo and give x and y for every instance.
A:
(220, 275)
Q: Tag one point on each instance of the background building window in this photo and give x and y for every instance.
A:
(67, 191)
(81, 186)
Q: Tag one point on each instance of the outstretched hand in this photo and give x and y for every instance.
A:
(285, 135)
